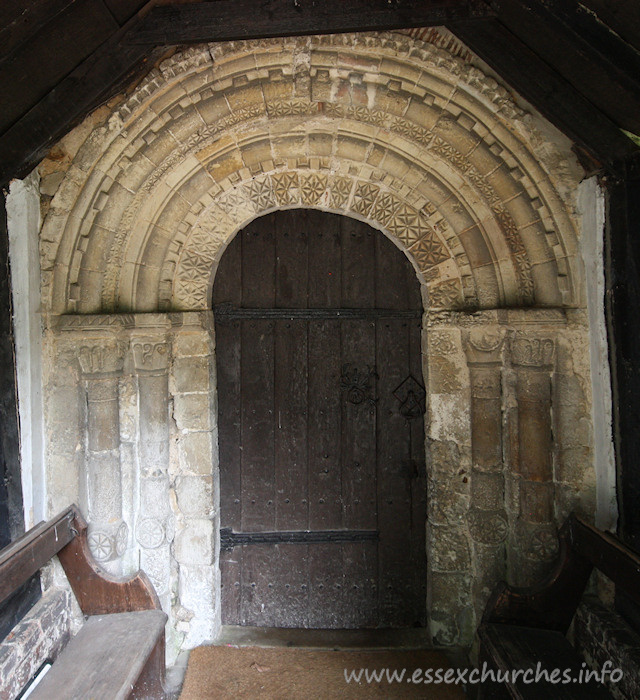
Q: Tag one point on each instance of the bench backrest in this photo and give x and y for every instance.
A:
(29, 553)
(553, 603)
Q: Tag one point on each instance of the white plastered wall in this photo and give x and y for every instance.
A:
(23, 223)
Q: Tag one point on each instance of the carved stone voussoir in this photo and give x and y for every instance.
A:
(533, 351)
(150, 355)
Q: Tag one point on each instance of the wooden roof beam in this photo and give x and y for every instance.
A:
(226, 20)
(596, 62)
(549, 92)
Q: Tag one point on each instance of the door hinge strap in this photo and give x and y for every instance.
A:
(230, 539)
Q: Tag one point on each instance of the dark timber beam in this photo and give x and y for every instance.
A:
(621, 16)
(226, 20)
(622, 300)
(539, 83)
(582, 50)
(112, 68)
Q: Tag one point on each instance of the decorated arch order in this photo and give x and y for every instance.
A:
(387, 128)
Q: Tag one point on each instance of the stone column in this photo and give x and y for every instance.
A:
(101, 362)
(487, 518)
(534, 542)
(154, 523)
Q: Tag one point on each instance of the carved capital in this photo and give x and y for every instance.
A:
(150, 355)
(483, 345)
(100, 356)
(532, 351)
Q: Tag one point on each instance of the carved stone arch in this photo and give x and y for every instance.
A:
(405, 132)
(406, 117)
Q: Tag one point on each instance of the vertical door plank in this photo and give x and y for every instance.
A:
(395, 469)
(256, 607)
(325, 261)
(288, 595)
(327, 606)
(291, 236)
(259, 264)
(395, 472)
(228, 289)
(290, 418)
(418, 582)
(359, 422)
(325, 475)
(358, 264)
(258, 477)
(392, 285)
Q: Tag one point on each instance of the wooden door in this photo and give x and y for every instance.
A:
(321, 403)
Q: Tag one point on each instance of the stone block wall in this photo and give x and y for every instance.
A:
(140, 420)
(508, 411)
(502, 429)
(40, 636)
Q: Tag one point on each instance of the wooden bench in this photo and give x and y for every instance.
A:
(524, 626)
(119, 651)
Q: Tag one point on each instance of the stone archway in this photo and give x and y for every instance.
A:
(405, 133)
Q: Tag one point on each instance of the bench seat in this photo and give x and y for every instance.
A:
(510, 647)
(106, 660)
(523, 626)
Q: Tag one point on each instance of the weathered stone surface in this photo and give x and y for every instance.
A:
(196, 453)
(486, 432)
(189, 374)
(449, 548)
(154, 497)
(192, 411)
(536, 501)
(195, 543)
(487, 489)
(192, 345)
(196, 592)
(195, 495)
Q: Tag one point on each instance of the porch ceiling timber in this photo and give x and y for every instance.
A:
(225, 20)
(576, 61)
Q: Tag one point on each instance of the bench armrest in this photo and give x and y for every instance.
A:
(97, 592)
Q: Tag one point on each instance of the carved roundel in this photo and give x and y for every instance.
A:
(101, 545)
(150, 533)
(487, 527)
(543, 545)
(122, 539)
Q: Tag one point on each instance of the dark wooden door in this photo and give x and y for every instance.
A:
(322, 469)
